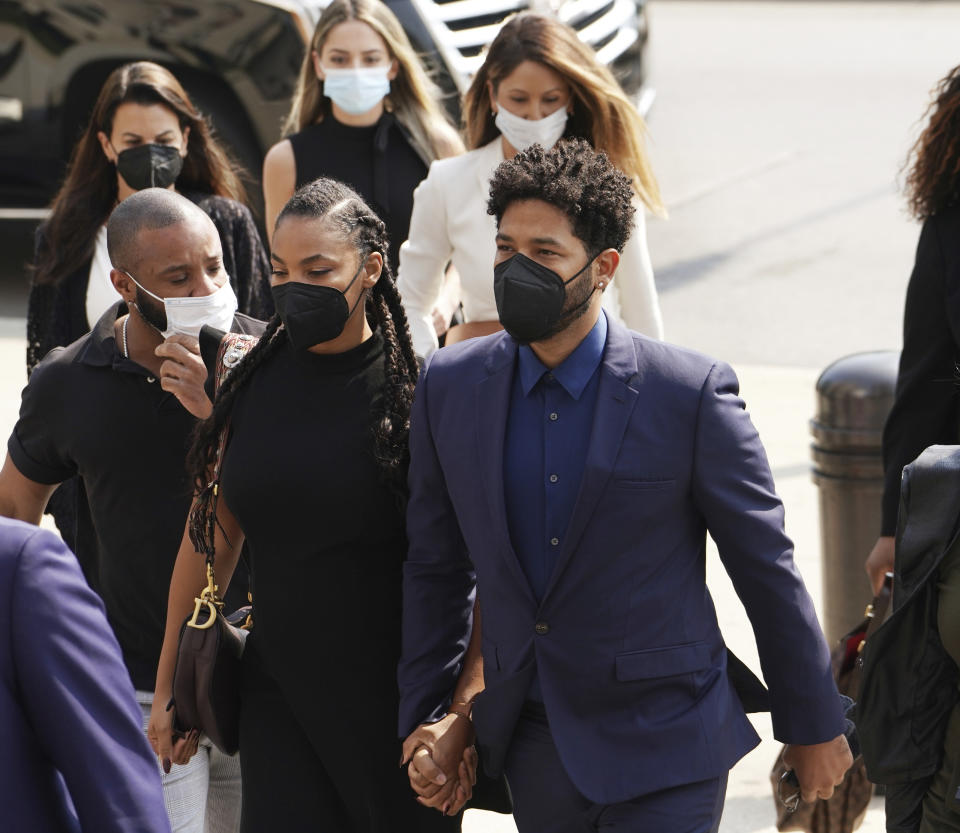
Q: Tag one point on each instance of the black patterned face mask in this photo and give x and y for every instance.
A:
(150, 166)
(530, 298)
(313, 314)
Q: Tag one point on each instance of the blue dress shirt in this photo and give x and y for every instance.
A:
(548, 429)
(545, 451)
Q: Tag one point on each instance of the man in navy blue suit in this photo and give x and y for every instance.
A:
(567, 471)
(73, 757)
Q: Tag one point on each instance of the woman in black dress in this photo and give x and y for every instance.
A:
(364, 112)
(314, 479)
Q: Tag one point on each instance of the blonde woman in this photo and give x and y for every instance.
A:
(539, 82)
(364, 113)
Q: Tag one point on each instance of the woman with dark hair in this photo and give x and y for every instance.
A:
(538, 83)
(314, 480)
(926, 412)
(144, 131)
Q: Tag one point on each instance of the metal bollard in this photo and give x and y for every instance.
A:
(854, 396)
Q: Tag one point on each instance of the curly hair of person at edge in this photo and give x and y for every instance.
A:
(339, 205)
(583, 184)
(933, 179)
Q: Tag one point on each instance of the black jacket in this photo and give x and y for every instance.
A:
(927, 407)
(70, 509)
(909, 683)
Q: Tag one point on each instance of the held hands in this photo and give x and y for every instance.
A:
(819, 767)
(168, 747)
(880, 561)
(184, 374)
(442, 763)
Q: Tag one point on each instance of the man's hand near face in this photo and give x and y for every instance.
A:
(184, 374)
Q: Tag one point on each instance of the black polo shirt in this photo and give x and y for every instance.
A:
(89, 411)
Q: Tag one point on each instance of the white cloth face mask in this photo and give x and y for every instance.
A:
(521, 133)
(187, 315)
(356, 90)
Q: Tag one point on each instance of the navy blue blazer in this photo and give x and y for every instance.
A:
(630, 658)
(74, 756)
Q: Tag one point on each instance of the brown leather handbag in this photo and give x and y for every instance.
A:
(843, 812)
(206, 681)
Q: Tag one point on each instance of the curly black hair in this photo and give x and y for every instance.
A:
(933, 165)
(581, 182)
(339, 204)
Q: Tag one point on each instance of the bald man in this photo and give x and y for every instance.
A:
(117, 407)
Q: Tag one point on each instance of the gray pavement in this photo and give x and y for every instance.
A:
(777, 135)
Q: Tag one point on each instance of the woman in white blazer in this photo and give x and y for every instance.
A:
(539, 82)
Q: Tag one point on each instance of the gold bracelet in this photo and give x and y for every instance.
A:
(465, 709)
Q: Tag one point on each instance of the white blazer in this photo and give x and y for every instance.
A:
(450, 222)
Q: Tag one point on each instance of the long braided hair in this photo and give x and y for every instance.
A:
(340, 205)
(933, 165)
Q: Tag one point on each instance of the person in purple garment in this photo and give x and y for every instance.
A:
(74, 756)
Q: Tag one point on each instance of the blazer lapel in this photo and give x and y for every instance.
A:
(617, 396)
(493, 402)
(489, 157)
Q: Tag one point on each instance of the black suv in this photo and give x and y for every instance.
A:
(238, 59)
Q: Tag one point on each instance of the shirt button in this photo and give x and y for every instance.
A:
(553, 478)
(549, 377)
(554, 542)
(541, 628)
(554, 417)
(150, 379)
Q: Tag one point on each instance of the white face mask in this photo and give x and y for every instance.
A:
(356, 91)
(188, 315)
(521, 133)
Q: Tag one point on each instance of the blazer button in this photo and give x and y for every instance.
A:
(541, 628)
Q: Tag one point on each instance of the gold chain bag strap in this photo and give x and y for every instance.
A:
(843, 812)
(206, 681)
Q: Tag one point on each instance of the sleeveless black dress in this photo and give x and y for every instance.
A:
(318, 743)
(378, 162)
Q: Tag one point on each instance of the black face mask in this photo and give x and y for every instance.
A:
(150, 166)
(531, 297)
(313, 314)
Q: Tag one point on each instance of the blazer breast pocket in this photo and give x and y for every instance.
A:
(641, 484)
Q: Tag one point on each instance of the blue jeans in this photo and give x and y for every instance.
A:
(203, 795)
